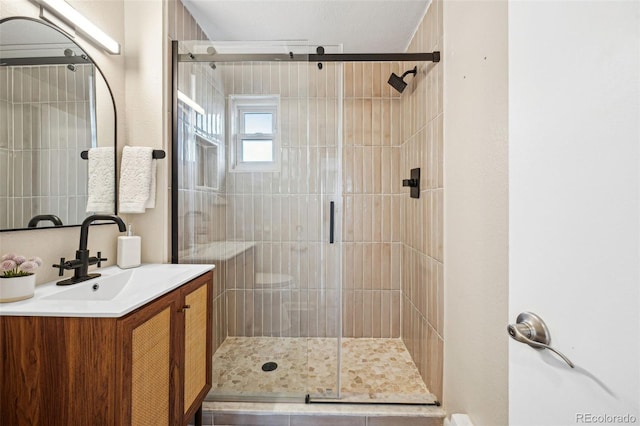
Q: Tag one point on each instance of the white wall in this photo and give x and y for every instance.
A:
(574, 176)
(150, 25)
(475, 210)
(145, 81)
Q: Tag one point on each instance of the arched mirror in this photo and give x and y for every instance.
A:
(55, 106)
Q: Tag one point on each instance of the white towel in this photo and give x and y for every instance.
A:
(102, 182)
(137, 180)
(151, 201)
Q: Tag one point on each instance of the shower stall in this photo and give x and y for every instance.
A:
(286, 166)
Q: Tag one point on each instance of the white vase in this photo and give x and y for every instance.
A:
(17, 288)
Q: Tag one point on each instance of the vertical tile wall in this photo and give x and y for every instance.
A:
(285, 212)
(6, 133)
(45, 123)
(422, 235)
(372, 188)
(202, 210)
(202, 217)
(181, 24)
(392, 254)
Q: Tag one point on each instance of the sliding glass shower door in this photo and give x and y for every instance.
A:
(258, 194)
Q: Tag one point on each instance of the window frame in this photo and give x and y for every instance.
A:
(239, 105)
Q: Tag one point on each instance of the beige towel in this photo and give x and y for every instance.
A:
(102, 183)
(137, 180)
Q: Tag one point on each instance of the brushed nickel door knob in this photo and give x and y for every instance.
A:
(531, 329)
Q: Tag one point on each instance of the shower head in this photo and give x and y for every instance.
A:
(398, 83)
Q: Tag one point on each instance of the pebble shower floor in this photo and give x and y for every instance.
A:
(373, 370)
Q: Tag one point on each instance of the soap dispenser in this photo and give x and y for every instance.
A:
(129, 248)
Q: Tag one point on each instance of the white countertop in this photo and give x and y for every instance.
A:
(118, 292)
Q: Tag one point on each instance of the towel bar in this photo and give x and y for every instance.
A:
(157, 154)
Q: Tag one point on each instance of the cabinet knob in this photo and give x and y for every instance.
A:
(184, 308)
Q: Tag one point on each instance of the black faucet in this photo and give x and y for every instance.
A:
(51, 217)
(80, 264)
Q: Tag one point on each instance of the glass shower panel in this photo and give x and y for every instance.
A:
(258, 168)
(325, 113)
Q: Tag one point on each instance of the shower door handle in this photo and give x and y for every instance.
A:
(331, 221)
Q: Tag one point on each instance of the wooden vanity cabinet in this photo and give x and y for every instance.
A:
(150, 367)
(165, 359)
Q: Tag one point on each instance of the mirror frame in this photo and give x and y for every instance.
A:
(115, 120)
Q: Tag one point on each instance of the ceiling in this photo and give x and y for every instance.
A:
(361, 26)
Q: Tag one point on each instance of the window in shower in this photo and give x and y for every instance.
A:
(255, 136)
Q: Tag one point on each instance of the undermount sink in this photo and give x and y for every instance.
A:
(115, 293)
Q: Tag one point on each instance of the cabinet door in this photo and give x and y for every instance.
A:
(197, 342)
(146, 364)
(57, 371)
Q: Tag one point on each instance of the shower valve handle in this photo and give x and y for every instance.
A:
(532, 330)
(413, 182)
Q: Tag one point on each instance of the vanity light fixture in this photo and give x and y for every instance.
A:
(193, 104)
(66, 12)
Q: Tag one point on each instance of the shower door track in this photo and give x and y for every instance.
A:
(317, 400)
(296, 399)
(316, 57)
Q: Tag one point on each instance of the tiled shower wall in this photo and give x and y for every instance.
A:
(285, 212)
(422, 235)
(203, 207)
(202, 210)
(5, 118)
(44, 124)
(372, 187)
(392, 258)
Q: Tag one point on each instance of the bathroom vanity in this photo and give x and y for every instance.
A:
(132, 347)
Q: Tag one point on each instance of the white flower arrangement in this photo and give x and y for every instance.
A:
(18, 266)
